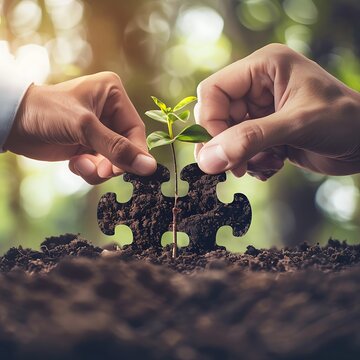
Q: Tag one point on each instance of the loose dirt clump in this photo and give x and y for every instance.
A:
(72, 300)
(52, 250)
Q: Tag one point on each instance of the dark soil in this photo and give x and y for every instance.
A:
(72, 300)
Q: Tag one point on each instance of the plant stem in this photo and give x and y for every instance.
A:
(175, 209)
(171, 133)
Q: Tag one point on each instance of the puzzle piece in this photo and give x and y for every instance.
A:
(202, 214)
(149, 213)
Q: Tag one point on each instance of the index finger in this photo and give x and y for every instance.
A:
(217, 93)
(119, 113)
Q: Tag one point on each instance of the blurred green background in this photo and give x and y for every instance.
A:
(165, 48)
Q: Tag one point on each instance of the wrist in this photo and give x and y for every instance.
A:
(12, 93)
(14, 132)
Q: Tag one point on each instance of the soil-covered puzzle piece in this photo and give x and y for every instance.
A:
(202, 214)
(149, 213)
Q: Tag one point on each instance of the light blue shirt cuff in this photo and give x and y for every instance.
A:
(13, 87)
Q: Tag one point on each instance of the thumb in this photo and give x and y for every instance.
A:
(118, 149)
(233, 147)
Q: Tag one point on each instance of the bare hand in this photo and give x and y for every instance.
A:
(277, 104)
(89, 121)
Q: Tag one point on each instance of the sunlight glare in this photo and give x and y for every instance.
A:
(65, 14)
(25, 18)
(200, 24)
(303, 12)
(36, 195)
(338, 198)
(63, 181)
(33, 62)
(5, 55)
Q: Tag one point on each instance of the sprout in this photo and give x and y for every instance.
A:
(190, 134)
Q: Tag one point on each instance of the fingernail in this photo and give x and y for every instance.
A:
(104, 169)
(85, 167)
(144, 165)
(197, 149)
(197, 111)
(213, 159)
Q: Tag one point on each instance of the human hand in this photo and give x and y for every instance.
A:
(89, 121)
(277, 104)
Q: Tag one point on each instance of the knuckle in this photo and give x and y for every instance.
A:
(119, 145)
(277, 47)
(279, 50)
(280, 54)
(201, 88)
(206, 88)
(250, 138)
(112, 78)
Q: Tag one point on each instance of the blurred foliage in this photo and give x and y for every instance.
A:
(166, 48)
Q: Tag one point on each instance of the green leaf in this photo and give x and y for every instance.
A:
(184, 116)
(158, 138)
(184, 102)
(194, 134)
(157, 115)
(160, 104)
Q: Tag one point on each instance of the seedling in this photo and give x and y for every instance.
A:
(190, 134)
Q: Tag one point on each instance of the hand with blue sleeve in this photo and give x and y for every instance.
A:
(12, 89)
(89, 121)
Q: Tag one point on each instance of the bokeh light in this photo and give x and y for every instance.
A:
(65, 14)
(338, 198)
(202, 44)
(258, 14)
(298, 37)
(45, 183)
(303, 12)
(33, 61)
(200, 25)
(25, 18)
(165, 48)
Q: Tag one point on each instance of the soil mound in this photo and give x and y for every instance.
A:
(72, 300)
